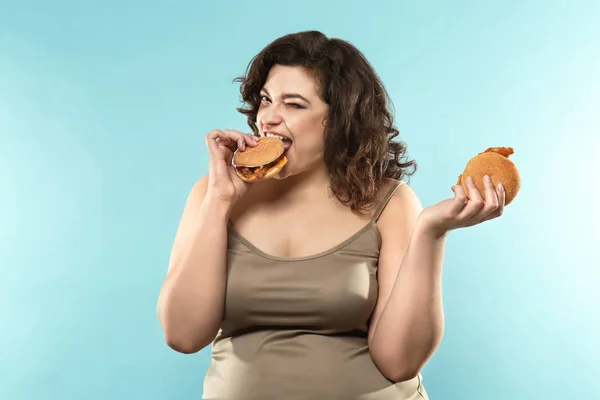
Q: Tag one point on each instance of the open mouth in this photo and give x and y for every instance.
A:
(287, 142)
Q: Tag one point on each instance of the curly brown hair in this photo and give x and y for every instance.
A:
(360, 151)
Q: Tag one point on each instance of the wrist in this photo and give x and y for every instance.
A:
(213, 205)
(425, 227)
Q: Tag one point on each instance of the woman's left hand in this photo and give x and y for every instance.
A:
(460, 211)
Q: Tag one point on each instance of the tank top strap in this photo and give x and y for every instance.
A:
(386, 199)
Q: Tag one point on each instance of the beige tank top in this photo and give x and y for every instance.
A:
(296, 328)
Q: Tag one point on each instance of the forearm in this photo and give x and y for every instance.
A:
(190, 305)
(411, 325)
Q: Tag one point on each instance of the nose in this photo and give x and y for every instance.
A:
(270, 117)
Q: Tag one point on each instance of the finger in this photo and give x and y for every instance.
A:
(212, 135)
(475, 203)
(501, 198)
(501, 195)
(217, 135)
(217, 141)
(241, 138)
(238, 137)
(212, 143)
(491, 197)
(250, 139)
(474, 193)
(211, 139)
(460, 200)
(225, 139)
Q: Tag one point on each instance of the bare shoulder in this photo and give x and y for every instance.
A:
(188, 217)
(396, 224)
(400, 213)
(199, 188)
(195, 197)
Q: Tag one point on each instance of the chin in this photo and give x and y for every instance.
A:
(281, 175)
(284, 172)
(287, 171)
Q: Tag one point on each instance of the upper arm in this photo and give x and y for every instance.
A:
(396, 224)
(188, 218)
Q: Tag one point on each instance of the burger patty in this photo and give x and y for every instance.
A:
(257, 172)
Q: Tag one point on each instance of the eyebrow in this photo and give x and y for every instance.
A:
(286, 96)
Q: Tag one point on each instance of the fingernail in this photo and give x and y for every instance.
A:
(470, 180)
(501, 186)
(487, 178)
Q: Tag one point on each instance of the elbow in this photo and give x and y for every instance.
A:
(402, 375)
(181, 334)
(180, 339)
(395, 371)
(185, 345)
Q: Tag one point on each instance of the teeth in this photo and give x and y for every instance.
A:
(274, 135)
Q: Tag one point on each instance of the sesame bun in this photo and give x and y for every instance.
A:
(261, 162)
(495, 163)
(268, 150)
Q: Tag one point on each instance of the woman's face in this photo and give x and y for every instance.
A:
(291, 107)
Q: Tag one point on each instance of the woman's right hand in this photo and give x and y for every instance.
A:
(223, 182)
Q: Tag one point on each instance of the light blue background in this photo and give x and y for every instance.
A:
(103, 111)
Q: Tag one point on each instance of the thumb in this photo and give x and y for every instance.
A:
(460, 199)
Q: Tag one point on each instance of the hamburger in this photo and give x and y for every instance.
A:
(262, 161)
(495, 163)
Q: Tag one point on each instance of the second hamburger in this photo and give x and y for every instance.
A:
(261, 162)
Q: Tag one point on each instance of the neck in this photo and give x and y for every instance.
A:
(307, 185)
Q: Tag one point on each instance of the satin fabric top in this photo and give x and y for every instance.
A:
(296, 328)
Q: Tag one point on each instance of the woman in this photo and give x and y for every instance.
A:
(325, 281)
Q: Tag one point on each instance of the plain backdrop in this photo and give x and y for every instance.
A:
(103, 111)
